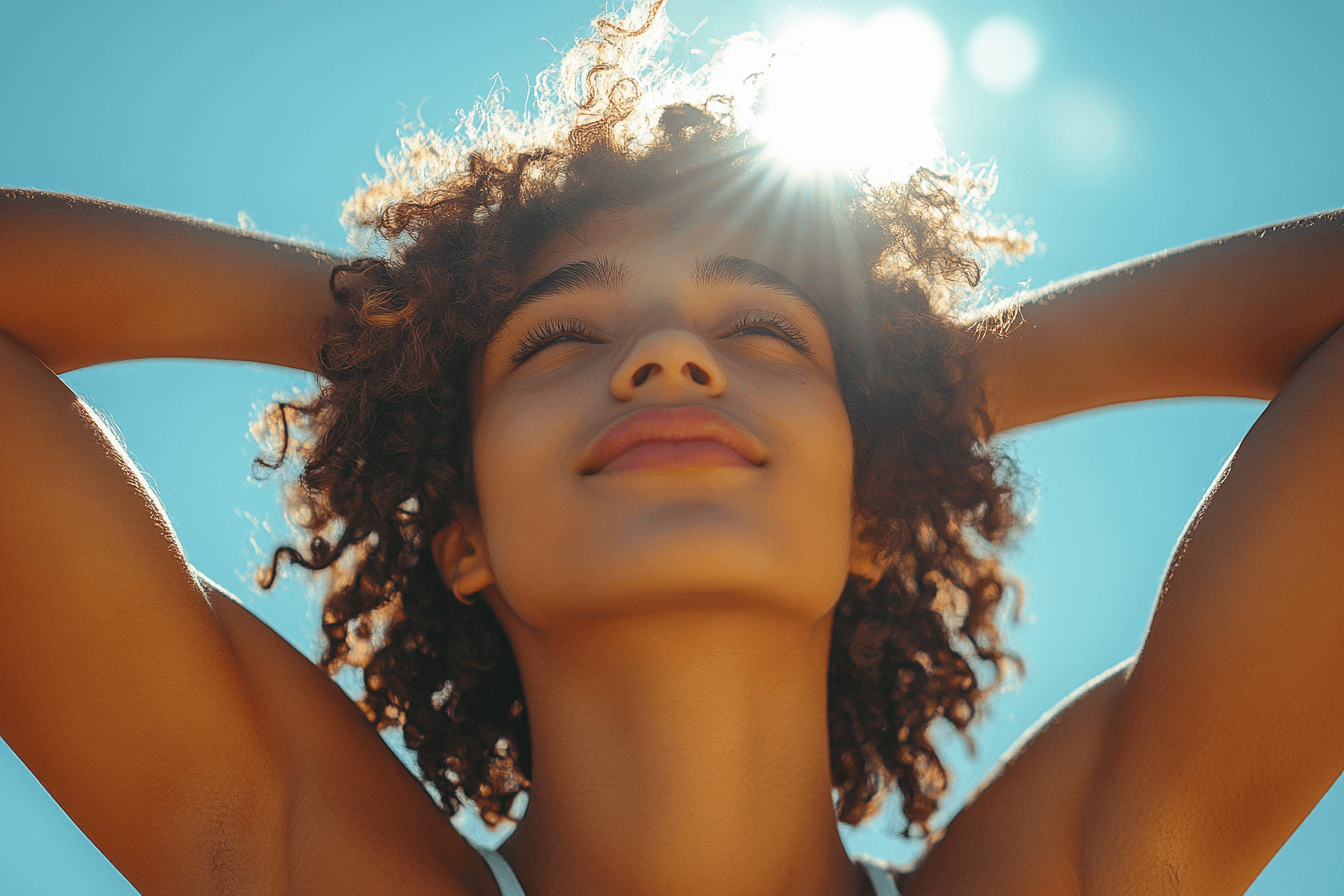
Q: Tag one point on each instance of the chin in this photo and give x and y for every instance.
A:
(667, 565)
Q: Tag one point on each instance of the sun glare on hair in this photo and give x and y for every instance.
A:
(839, 95)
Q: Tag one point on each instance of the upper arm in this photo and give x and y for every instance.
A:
(190, 742)
(1231, 727)
(122, 693)
(1194, 762)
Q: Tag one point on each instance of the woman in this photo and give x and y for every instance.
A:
(728, 674)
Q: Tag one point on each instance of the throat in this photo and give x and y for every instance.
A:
(684, 754)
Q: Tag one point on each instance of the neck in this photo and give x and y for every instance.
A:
(676, 753)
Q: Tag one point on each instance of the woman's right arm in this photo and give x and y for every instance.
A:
(124, 691)
(87, 282)
(194, 746)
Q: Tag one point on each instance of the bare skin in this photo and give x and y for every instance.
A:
(726, 656)
(211, 771)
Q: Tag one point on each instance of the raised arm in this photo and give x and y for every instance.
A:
(194, 746)
(88, 282)
(1231, 316)
(1186, 769)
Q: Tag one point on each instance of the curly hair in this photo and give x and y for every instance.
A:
(385, 446)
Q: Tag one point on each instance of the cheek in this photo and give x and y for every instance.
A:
(520, 446)
(821, 493)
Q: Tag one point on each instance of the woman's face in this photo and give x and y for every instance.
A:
(659, 426)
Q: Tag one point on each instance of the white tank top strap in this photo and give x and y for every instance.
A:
(883, 885)
(504, 876)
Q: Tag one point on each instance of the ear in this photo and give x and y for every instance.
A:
(863, 559)
(459, 553)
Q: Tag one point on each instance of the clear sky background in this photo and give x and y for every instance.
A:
(1141, 126)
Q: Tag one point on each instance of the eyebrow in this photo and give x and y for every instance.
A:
(729, 270)
(604, 273)
(600, 273)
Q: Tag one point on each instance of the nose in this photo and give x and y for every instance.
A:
(668, 362)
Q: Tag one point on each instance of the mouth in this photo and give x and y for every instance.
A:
(671, 438)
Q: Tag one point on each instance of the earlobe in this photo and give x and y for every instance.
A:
(459, 553)
(863, 559)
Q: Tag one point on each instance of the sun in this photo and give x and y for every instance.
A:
(836, 94)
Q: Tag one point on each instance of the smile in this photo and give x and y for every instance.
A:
(666, 438)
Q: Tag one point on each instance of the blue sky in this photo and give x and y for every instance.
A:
(1143, 126)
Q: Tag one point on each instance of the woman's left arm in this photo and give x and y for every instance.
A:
(1231, 316)
(1188, 768)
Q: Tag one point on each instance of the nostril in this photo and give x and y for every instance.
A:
(643, 373)
(698, 375)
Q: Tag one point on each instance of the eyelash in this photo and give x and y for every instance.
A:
(550, 332)
(784, 328)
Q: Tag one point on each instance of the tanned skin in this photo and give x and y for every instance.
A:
(209, 767)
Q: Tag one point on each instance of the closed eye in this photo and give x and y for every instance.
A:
(768, 323)
(555, 331)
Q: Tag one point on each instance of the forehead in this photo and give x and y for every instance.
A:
(613, 248)
(634, 234)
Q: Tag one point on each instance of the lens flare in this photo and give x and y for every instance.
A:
(1090, 128)
(1003, 54)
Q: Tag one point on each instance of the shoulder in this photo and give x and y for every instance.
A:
(1020, 832)
(350, 797)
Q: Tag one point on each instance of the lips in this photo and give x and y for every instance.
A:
(673, 437)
